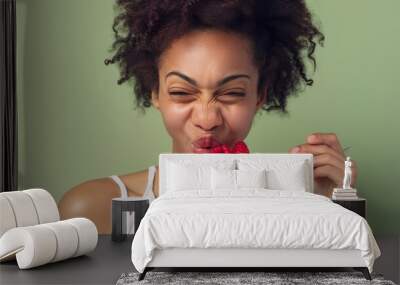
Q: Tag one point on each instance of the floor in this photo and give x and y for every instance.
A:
(389, 262)
(110, 259)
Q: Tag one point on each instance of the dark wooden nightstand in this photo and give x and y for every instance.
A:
(138, 205)
(358, 206)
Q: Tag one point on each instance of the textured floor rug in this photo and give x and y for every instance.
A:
(225, 278)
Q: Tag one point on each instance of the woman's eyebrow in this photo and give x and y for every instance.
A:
(219, 83)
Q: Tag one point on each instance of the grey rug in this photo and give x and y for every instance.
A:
(285, 278)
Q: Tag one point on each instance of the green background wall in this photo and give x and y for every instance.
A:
(76, 123)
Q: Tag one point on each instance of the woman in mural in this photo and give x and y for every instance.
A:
(209, 67)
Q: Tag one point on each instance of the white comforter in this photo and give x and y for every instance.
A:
(253, 218)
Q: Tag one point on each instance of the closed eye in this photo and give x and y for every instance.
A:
(178, 93)
(235, 94)
(238, 94)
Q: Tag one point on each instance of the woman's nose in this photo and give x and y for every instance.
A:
(207, 116)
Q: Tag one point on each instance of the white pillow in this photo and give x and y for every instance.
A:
(291, 179)
(235, 179)
(223, 179)
(183, 175)
(282, 174)
(251, 178)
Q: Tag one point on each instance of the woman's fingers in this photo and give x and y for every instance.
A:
(329, 171)
(328, 159)
(317, 149)
(330, 139)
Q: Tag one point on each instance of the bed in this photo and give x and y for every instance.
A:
(247, 211)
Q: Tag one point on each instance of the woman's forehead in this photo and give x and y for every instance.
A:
(208, 55)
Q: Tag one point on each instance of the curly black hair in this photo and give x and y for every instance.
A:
(282, 33)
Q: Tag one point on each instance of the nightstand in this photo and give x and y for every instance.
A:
(138, 205)
(358, 205)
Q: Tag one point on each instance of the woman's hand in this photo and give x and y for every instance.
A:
(329, 160)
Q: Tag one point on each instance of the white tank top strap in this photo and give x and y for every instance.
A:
(129, 216)
(121, 185)
(148, 192)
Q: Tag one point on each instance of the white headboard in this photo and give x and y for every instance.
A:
(212, 157)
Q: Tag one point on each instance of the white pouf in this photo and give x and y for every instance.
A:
(7, 220)
(44, 243)
(45, 205)
(23, 208)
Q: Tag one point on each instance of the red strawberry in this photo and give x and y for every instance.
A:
(225, 148)
(239, 147)
(217, 149)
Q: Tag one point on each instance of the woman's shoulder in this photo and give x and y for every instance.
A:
(86, 198)
(106, 187)
(99, 186)
(103, 188)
